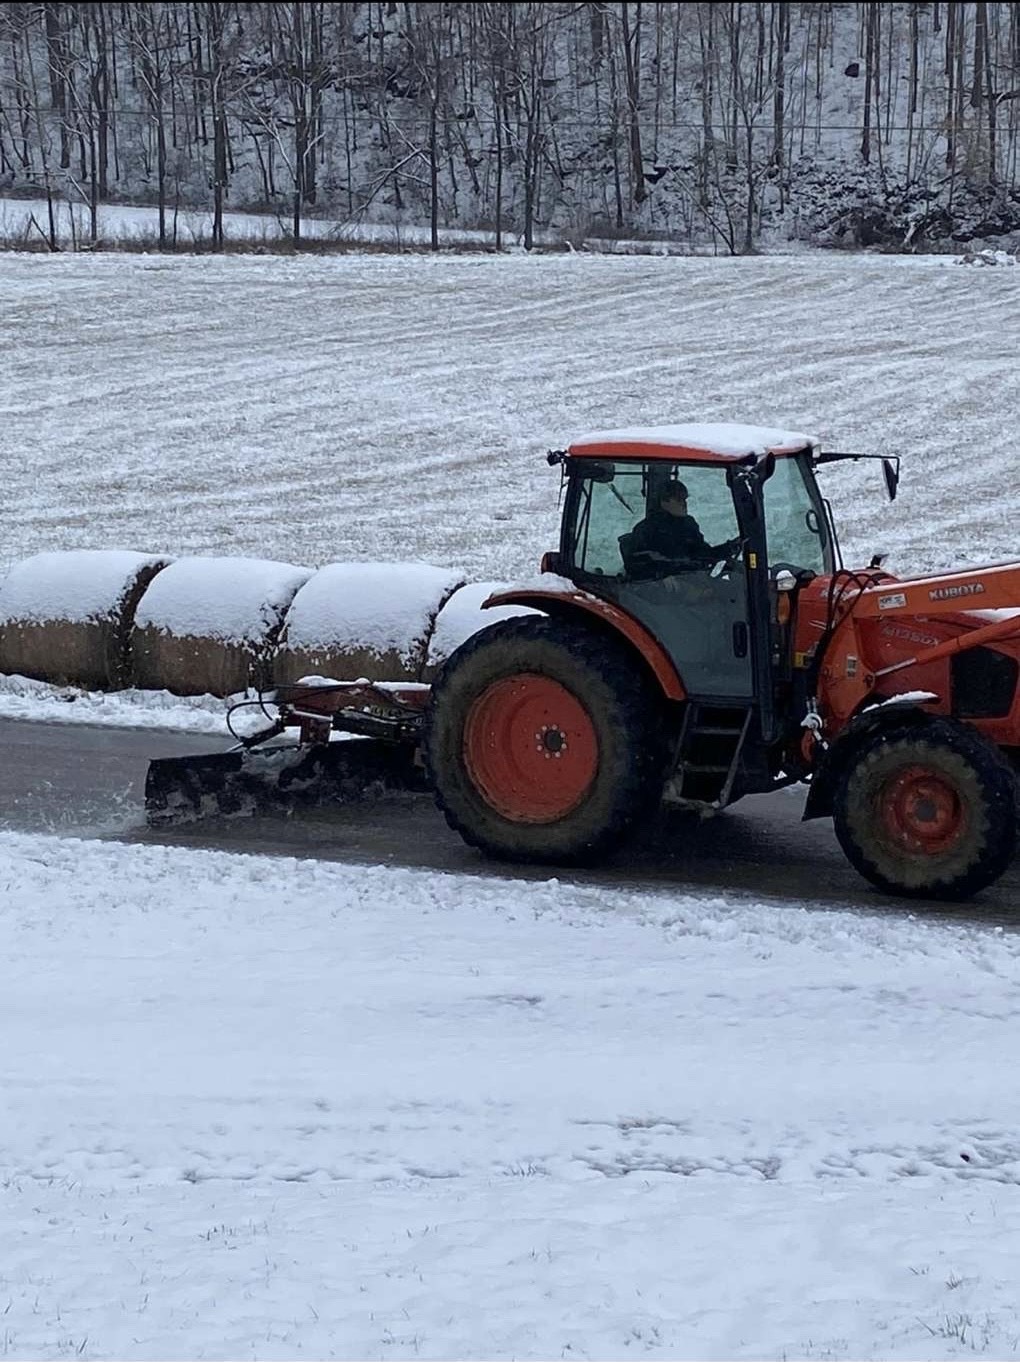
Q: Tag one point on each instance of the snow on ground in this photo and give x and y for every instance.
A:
(263, 1107)
(23, 698)
(27, 220)
(266, 1108)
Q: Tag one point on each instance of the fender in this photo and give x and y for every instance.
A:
(827, 774)
(574, 601)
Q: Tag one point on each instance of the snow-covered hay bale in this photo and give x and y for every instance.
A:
(462, 616)
(210, 626)
(66, 617)
(371, 620)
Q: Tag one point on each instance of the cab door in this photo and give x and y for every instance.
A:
(701, 621)
(700, 616)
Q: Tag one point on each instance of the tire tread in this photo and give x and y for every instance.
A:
(994, 843)
(635, 712)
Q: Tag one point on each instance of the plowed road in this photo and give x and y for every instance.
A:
(73, 780)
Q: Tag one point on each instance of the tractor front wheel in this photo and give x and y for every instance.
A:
(927, 811)
(543, 742)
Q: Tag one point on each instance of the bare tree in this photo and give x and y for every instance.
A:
(631, 33)
(637, 111)
(532, 67)
(498, 28)
(297, 63)
(151, 36)
(872, 58)
(424, 28)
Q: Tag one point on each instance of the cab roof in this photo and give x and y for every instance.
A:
(712, 442)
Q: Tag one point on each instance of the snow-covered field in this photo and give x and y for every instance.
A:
(267, 1108)
(399, 407)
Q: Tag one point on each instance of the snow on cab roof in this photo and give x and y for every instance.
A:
(699, 441)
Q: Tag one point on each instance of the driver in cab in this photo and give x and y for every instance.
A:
(669, 539)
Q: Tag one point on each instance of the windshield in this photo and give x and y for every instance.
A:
(637, 520)
(794, 525)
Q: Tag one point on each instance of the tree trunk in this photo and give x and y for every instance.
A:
(749, 207)
(614, 137)
(433, 177)
(57, 61)
(101, 100)
(977, 87)
(779, 98)
(912, 92)
(632, 69)
(499, 175)
(990, 100)
(214, 50)
(871, 58)
(531, 162)
(706, 39)
(950, 72)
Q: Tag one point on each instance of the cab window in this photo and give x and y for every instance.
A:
(612, 500)
(794, 525)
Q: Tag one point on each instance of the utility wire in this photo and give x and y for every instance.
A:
(939, 128)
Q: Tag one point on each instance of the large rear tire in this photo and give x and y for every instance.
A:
(928, 811)
(543, 742)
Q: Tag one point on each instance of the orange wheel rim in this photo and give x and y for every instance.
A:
(921, 811)
(530, 748)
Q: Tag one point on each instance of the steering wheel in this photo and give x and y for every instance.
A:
(729, 561)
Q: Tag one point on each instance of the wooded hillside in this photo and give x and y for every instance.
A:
(851, 124)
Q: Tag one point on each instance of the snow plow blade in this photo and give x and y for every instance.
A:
(271, 779)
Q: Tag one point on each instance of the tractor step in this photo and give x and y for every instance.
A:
(718, 731)
(708, 753)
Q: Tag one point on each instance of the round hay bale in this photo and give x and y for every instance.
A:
(372, 620)
(66, 617)
(462, 616)
(210, 626)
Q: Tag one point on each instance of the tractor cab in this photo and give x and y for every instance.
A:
(696, 531)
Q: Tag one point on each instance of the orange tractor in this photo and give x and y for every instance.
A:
(704, 674)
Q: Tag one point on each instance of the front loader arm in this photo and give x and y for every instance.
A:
(996, 587)
(845, 678)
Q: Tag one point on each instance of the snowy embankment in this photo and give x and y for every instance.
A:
(270, 1108)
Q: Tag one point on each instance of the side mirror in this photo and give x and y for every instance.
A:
(891, 472)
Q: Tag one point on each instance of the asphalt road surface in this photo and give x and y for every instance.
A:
(74, 780)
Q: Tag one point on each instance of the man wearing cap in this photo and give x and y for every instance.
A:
(670, 540)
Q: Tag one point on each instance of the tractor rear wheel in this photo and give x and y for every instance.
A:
(543, 742)
(928, 811)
